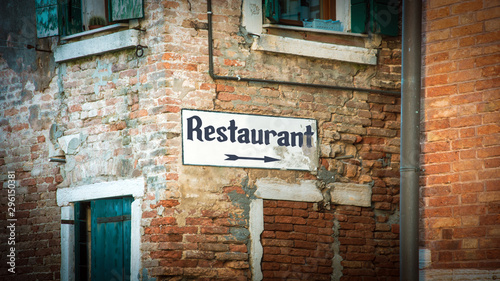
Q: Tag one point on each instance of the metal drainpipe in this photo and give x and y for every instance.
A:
(410, 140)
(246, 79)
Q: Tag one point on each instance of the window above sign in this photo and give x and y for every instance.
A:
(357, 16)
(100, 25)
(69, 17)
(321, 14)
(344, 30)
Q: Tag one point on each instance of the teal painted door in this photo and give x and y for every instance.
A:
(110, 254)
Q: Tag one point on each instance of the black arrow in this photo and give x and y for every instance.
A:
(232, 157)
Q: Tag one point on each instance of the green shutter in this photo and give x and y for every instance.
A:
(47, 20)
(380, 16)
(359, 15)
(111, 225)
(125, 9)
(272, 10)
(385, 14)
(58, 17)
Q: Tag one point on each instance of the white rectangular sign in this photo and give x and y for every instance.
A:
(212, 138)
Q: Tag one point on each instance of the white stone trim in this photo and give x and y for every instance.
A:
(286, 45)
(256, 226)
(67, 238)
(134, 187)
(274, 189)
(112, 42)
(305, 191)
(351, 194)
(252, 16)
(135, 239)
(65, 198)
(277, 189)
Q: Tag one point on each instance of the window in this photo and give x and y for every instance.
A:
(67, 17)
(357, 16)
(103, 239)
(300, 12)
(68, 198)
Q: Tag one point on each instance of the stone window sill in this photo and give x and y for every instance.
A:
(307, 29)
(309, 42)
(95, 31)
(294, 46)
(98, 45)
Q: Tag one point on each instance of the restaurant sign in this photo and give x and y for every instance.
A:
(211, 138)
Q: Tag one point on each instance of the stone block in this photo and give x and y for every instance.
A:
(351, 194)
(277, 189)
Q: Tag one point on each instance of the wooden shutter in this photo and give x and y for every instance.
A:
(385, 15)
(47, 20)
(377, 16)
(359, 15)
(111, 225)
(125, 9)
(56, 17)
(272, 10)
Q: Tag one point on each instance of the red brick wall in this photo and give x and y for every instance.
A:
(209, 245)
(297, 241)
(24, 154)
(461, 134)
(301, 242)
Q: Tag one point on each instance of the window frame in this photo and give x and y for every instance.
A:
(98, 221)
(56, 17)
(67, 196)
(357, 16)
(252, 21)
(341, 11)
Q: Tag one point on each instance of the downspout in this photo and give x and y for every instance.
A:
(410, 140)
(246, 79)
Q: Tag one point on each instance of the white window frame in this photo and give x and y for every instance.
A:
(67, 196)
(252, 17)
(253, 11)
(304, 191)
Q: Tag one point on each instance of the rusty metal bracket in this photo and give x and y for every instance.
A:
(139, 50)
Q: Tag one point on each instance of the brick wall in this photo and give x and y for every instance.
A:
(208, 246)
(125, 112)
(369, 244)
(461, 134)
(24, 151)
(297, 241)
(303, 241)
